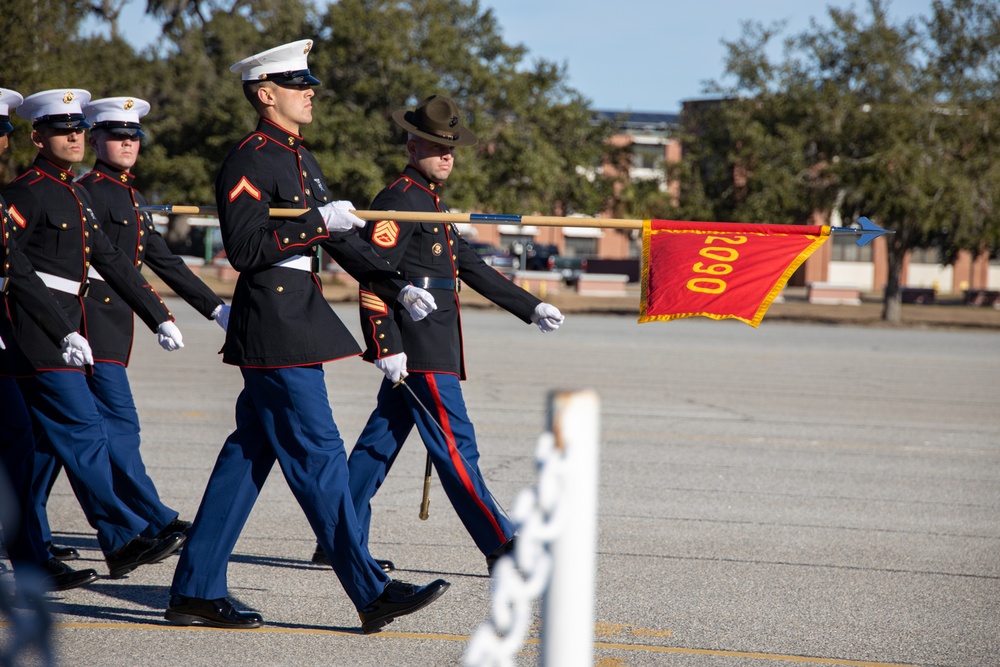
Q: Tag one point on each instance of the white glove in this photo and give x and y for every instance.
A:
(221, 316)
(169, 336)
(394, 366)
(418, 302)
(76, 350)
(547, 317)
(338, 217)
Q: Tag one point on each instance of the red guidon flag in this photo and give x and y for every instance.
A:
(720, 270)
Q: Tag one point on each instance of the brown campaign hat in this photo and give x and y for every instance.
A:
(436, 118)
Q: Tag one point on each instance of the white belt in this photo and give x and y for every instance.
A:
(300, 262)
(93, 274)
(60, 284)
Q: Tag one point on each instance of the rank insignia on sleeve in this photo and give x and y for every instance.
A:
(386, 233)
(244, 186)
(17, 217)
(372, 302)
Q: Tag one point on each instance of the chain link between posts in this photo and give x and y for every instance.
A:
(522, 576)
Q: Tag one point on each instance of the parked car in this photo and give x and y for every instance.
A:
(569, 267)
(502, 261)
(537, 255)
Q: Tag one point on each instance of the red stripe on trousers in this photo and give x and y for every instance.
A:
(456, 457)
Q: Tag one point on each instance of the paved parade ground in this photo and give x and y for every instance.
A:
(799, 494)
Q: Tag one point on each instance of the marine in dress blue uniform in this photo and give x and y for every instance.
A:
(281, 330)
(22, 533)
(52, 221)
(116, 131)
(435, 256)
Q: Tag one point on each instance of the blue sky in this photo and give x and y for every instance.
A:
(631, 55)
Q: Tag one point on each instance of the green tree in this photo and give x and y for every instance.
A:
(864, 116)
(40, 53)
(534, 130)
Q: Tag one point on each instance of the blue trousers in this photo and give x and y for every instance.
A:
(453, 453)
(22, 534)
(282, 414)
(113, 397)
(69, 426)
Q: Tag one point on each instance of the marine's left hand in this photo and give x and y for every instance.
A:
(221, 316)
(169, 336)
(547, 317)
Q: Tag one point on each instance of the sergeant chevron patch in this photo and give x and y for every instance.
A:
(386, 233)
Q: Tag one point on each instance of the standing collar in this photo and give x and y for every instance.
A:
(417, 177)
(115, 174)
(279, 134)
(51, 169)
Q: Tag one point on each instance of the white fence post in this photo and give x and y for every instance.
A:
(568, 605)
(555, 555)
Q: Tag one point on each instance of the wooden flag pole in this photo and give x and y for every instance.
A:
(868, 231)
(416, 216)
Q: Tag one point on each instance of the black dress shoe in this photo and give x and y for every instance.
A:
(218, 613)
(61, 577)
(62, 553)
(319, 557)
(399, 599)
(141, 551)
(504, 548)
(175, 526)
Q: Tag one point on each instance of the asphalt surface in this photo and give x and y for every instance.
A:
(798, 494)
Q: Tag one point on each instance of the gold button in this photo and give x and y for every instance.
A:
(381, 335)
(284, 240)
(140, 247)
(378, 321)
(107, 299)
(64, 225)
(87, 264)
(384, 350)
(125, 222)
(451, 242)
(307, 191)
(95, 226)
(435, 230)
(138, 263)
(86, 234)
(454, 256)
(87, 249)
(295, 198)
(304, 174)
(302, 235)
(319, 230)
(280, 289)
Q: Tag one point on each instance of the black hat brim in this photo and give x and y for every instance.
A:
(462, 136)
(63, 122)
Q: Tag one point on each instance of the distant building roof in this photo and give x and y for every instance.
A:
(639, 121)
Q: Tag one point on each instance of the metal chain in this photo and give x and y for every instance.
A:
(522, 576)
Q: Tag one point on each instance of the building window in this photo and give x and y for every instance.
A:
(846, 249)
(647, 156)
(580, 246)
(926, 256)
